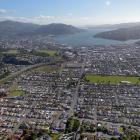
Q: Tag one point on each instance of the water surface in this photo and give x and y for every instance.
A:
(87, 38)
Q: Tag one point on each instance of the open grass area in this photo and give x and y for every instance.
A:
(54, 136)
(46, 52)
(10, 52)
(112, 79)
(14, 91)
(49, 68)
(120, 129)
(46, 69)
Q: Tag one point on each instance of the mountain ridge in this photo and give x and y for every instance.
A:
(121, 34)
(115, 26)
(14, 29)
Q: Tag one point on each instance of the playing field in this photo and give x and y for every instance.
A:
(10, 52)
(112, 79)
(47, 52)
(48, 68)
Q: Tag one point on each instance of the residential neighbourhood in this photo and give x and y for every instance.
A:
(78, 85)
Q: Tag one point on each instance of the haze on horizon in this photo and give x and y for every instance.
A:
(75, 12)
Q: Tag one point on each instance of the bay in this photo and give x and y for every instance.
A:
(87, 38)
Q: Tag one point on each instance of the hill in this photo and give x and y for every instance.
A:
(137, 42)
(122, 34)
(14, 30)
(114, 26)
(58, 29)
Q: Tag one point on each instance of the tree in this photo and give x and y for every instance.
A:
(113, 138)
(72, 125)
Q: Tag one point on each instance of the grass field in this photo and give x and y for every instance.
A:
(54, 136)
(14, 91)
(112, 79)
(10, 52)
(47, 52)
(48, 68)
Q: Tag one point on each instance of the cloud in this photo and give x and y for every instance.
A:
(3, 11)
(85, 18)
(78, 21)
(45, 19)
(6, 11)
(69, 14)
(108, 3)
(37, 19)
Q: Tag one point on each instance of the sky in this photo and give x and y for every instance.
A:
(75, 12)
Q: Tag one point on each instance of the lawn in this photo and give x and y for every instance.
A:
(46, 52)
(55, 136)
(112, 79)
(120, 129)
(10, 52)
(48, 68)
(14, 91)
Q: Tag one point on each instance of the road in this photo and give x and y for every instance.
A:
(75, 97)
(14, 75)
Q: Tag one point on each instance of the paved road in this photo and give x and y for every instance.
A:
(75, 97)
(14, 75)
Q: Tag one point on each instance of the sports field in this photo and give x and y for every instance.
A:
(10, 52)
(47, 52)
(48, 68)
(112, 79)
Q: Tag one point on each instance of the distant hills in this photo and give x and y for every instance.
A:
(137, 42)
(14, 30)
(17, 30)
(122, 34)
(114, 26)
(58, 29)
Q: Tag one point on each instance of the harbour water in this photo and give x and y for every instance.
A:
(87, 38)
